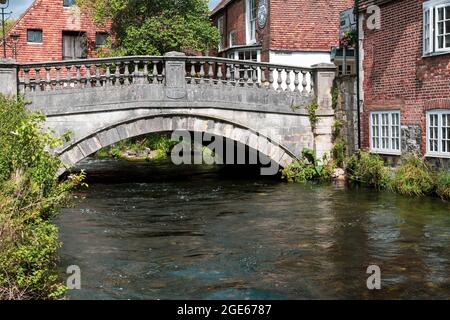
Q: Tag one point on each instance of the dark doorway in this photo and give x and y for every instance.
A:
(74, 45)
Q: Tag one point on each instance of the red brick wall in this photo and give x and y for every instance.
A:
(396, 76)
(53, 19)
(306, 24)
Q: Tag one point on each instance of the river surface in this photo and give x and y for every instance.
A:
(164, 232)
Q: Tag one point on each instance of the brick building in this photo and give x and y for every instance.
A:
(294, 32)
(55, 30)
(405, 78)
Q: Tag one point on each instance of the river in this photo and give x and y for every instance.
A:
(155, 231)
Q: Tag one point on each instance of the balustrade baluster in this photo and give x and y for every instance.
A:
(255, 75)
(108, 75)
(311, 83)
(271, 78)
(228, 74)
(246, 77)
(279, 79)
(219, 67)
(155, 72)
(126, 73)
(304, 82)
(296, 81)
(262, 70)
(193, 73)
(211, 72)
(145, 73)
(288, 80)
(58, 77)
(163, 73)
(117, 74)
(202, 72)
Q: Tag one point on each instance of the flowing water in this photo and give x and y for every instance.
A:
(164, 232)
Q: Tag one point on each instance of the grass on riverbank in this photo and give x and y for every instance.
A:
(413, 177)
(30, 197)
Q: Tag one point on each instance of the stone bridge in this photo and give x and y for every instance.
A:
(103, 101)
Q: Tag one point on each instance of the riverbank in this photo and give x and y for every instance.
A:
(413, 177)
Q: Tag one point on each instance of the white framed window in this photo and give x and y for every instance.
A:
(221, 28)
(385, 132)
(250, 6)
(436, 26)
(438, 133)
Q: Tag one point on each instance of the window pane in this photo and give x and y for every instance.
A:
(446, 133)
(433, 133)
(447, 12)
(34, 36)
(440, 14)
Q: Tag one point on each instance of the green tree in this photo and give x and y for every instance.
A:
(154, 27)
(8, 25)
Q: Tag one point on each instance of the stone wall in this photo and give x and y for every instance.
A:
(347, 110)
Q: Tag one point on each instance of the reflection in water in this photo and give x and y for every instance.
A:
(199, 233)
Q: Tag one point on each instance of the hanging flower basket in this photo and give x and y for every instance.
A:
(349, 39)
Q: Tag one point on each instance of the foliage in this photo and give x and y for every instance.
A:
(154, 27)
(339, 146)
(443, 184)
(367, 168)
(313, 117)
(30, 196)
(414, 177)
(161, 143)
(8, 25)
(308, 168)
(349, 39)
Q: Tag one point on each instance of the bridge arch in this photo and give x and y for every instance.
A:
(78, 150)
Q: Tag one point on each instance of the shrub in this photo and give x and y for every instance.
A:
(369, 169)
(308, 168)
(414, 177)
(30, 196)
(443, 185)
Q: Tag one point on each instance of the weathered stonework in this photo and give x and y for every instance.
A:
(411, 138)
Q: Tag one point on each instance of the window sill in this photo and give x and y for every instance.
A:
(436, 54)
(35, 43)
(437, 155)
(387, 153)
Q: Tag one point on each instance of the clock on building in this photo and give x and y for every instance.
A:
(262, 13)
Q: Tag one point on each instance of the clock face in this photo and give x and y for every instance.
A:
(262, 13)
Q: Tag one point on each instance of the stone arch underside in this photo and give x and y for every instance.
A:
(81, 149)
